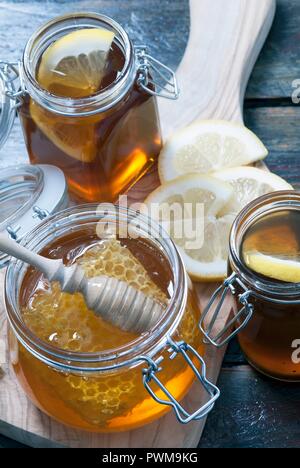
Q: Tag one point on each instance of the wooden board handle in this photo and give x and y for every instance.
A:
(226, 37)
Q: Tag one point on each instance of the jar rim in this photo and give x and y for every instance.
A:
(270, 203)
(89, 105)
(146, 344)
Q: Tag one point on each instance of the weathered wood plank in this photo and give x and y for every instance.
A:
(234, 355)
(253, 412)
(279, 62)
(278, 127)
(10, 443)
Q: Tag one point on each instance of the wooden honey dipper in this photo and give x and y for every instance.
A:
(114, 300)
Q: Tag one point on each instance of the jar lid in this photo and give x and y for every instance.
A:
(28, 194)
(7, 105)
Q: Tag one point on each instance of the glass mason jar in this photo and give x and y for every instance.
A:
(103, 142)
(115, 389)
(266, 316)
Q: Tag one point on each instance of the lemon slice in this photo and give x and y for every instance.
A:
(74, 65)
(271, 267)
(75, 137)
(209, 263)
(188, 208)
(249, 183)
(207, 146)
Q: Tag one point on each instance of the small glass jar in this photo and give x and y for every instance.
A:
(266, 313)
(103, 142)
(118, 389)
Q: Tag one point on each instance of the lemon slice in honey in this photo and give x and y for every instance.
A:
(74, 65)
(75, 137)
(273, 267)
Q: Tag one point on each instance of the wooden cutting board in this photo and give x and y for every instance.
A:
(226, 37)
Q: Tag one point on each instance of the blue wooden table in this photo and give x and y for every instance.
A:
(254, 411)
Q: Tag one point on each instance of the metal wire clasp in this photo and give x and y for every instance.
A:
(10, 72)
(150, 374)
(154, 77)
(241, 317)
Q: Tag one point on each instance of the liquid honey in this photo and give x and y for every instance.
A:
(267, 340)
(101, 155)
(105, 401)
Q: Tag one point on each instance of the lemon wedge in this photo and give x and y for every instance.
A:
(75, 137)
(207, 146)
(74, 65)
(271, 267)
(188, 208)
(222, 150)
(249, 183)
(222, 196)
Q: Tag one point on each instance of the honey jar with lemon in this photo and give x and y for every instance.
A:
(264, 277)
(87, 104)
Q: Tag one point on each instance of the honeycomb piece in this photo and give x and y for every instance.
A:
(109, 257)
(65, 321)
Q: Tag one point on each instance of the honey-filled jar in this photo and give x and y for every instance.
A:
(264, 280)
(78, 367)
(86, 99)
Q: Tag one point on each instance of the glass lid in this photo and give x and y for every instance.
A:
(28, 194)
